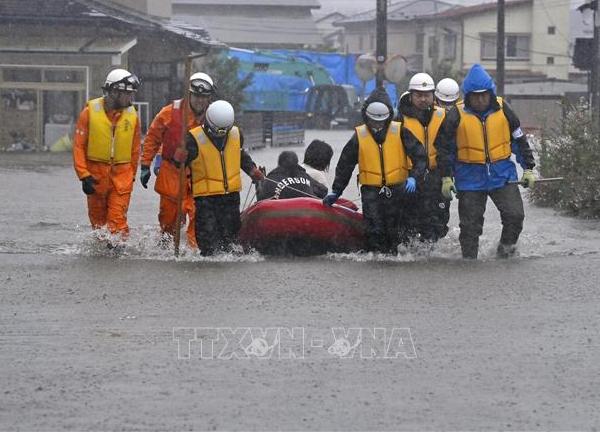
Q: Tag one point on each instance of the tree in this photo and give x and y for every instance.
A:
(225, 72)
(572, 153)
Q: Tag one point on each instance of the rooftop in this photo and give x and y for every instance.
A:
(403, 11)
(300, 3)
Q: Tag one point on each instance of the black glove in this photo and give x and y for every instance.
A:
(87, 184)
(145, 176)
(330, 199)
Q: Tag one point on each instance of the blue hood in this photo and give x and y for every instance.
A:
(478, 79)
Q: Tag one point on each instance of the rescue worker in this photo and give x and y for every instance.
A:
(422, 119)
(447, 93)
(288, 180)
(216, 156)
(106, 150)
(476, 142)
(317, 158)
(379, 148)
(164, 136)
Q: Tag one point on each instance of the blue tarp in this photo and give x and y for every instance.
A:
(270, 92)
(341, 69)
(280, 92)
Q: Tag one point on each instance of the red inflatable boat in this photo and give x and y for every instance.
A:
(302, 226)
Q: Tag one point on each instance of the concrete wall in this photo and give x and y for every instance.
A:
(517, 21)
(556, 46)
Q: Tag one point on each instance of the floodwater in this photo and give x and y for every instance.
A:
(90, 340)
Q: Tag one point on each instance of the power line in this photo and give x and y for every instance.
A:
(551, 21)
(526, 49)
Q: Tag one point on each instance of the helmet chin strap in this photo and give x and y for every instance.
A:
(198, 113)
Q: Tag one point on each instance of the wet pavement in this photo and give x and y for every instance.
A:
(94, 341)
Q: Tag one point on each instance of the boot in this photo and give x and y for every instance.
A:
(469, 252)
(469, 248)
(506, 251)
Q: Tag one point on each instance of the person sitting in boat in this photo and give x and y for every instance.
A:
(381, 151)
(288, 180)
(317, 158)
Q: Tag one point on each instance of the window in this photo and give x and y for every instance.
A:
(516, 46)
(552, 30)
(450, 46)
(432, 47)
(488, 47)
(550, 60)
(419, 42)
(360, 43)
(371, 41)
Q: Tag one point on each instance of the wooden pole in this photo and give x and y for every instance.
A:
(381, 42)
(182, 173)
(500, 50)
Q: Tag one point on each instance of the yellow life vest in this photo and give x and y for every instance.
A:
(481, 142)
(427, 135)
(216, 172)
(107, 143)
(381, 165)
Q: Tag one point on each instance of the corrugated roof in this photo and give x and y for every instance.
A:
(68, 44)
(403, 11)
(43, 8)
(73, 10)
(233, 29)
(300, 3)
(484, 7)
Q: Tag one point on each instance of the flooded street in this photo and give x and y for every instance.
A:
(99, 342)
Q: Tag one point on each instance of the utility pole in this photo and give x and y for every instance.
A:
(381, 49)
(596, 69)
(594, 76)
(500, 50)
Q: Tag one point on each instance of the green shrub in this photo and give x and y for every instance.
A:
(572, 153)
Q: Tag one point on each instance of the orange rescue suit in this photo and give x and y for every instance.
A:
(483, 141)
(381, 165)
(164, 136)
(106, 146)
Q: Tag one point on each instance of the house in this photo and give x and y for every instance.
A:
(536, 38)
(332, 36)
(427, 32)
(405, 26)
(55, 56)
(254, 23)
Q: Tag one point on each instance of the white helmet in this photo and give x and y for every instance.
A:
(121, 79)
(377, 111)
(421, 82)
(219, 117)
(201, 84)
(447, 90)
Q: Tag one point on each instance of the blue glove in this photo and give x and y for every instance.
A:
(411, 185)
(145, 176)
(330, 198)
(157, 162)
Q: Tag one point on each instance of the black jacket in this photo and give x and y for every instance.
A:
(407, 109)
(191, 145)
(349, 157)
(282, 183)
